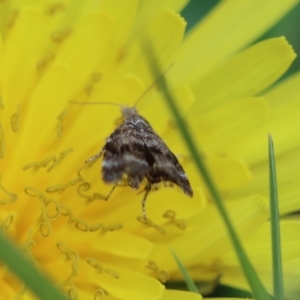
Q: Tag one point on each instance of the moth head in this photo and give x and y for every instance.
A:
(128, 112)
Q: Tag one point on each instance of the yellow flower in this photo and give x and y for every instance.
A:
(54, 52)
(51, 53)
(230, 119)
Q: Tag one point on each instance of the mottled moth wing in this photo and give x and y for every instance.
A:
(136, 151)
(166, 168)
(124, 154)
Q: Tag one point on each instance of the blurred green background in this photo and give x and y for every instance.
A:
(288, 26)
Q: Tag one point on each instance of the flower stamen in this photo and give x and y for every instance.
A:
(43, 221)
(60, 158)
(69, 255)
(171, 215)
(95, 78)
(55, 188)
(16, 120)
(60, 35)
(80, 225)
(6, 223)
(61, 187)
(149, 223)
(44, 226)
(85, 186)
(56, 7)
(12, 197)
(99, 267)
(99, 295)
(56, 160)
(12, 19)
(111, 227)
(60, 124)
(56, 207)
(37, 165)
(43, 63)
(28, 243)
(161, 275)
(71, 290)
(66, 212)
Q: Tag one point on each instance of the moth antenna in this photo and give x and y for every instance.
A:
(97, 103)
(152, 85)
(137, 101)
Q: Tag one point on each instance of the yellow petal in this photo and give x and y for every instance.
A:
(84, 48)
(228, 28)
(246, 74)
(123, 15)
(128, 285)
(287, 168)
(6, 18)
(148, 10)
(229, 173)
(2, 57)
(177, 5)
(200, 242)
(234, 277)
(179, 295)
(49, 88)
(125, 245)
(238, 120)
(291, 274)
(23, 52)
(68, 59)
(283, 104)
(168, 28)
(258, 246)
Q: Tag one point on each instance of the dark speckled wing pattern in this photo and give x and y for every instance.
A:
(136, 152)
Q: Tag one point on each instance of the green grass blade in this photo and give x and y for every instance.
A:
(187, 278)
(27, 271)
(275, 227)
(257, 287)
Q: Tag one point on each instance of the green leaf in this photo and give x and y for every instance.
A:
(27, 271)
(187, 278)
(257, 287)
(275, 227)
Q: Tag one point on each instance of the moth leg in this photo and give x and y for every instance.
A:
(147, 190)
(111, 191)
(113, 188)
(95, 157)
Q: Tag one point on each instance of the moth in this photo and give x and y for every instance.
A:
(135, 155)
